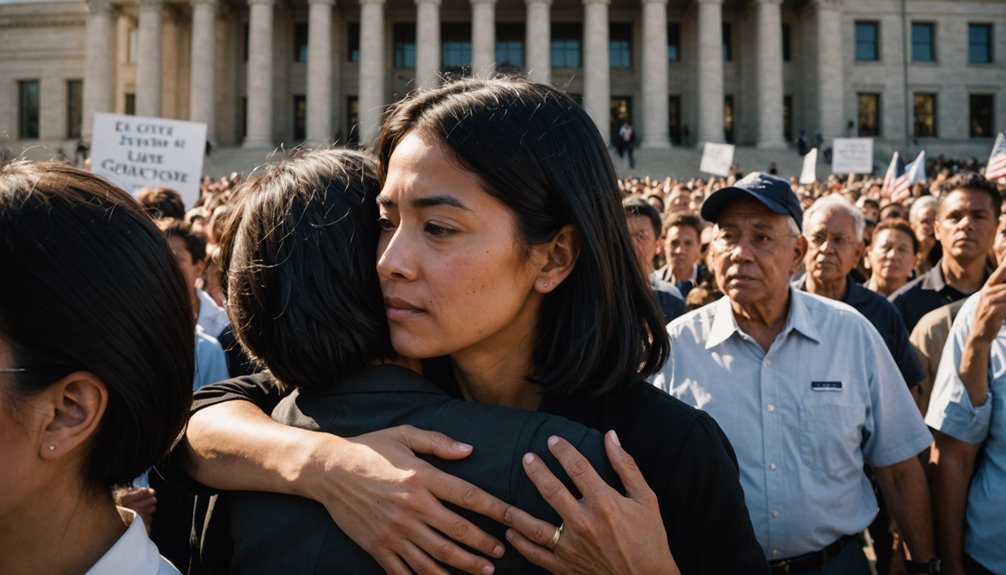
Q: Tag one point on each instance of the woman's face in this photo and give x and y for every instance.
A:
(454, 276)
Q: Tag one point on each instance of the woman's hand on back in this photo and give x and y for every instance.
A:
(389, 501)
(604, 531)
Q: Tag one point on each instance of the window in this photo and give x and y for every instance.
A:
(27, 109)
(130, 105)
(980, 43)
(728, 118)
(353, 120)
(565, 45)
(456, 45)
(300, 42)
(868, 113)
(620, 45)
(924, 112)
(923, 42)
(74, 108)
(867, 41)
(299, 117)
(674, 119)
(674, 42)
(405, 45)
(981, 115)
(242, 116)
(728, 43)
(787, 45)
(509, 46)
(353, 42)
(787, 117)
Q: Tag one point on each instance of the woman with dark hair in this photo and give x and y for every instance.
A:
(96, 362)
(504, 249)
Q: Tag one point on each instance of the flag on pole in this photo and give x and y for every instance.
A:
(996, 167)
(895, 169)
(918, 168)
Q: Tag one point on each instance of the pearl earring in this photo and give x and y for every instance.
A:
(52, 447)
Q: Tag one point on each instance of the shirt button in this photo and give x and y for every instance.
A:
(770, 408)
(775, 513)
(771, 466)
(767, 362)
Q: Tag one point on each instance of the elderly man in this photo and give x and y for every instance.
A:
(968, 413)
(834, 231)
(805, 390)
(966, 228)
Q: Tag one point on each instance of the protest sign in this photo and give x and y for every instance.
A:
(135, 152)
(852, 156)
(809, 173)
(717, 159)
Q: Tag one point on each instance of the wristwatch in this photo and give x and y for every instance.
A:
(932, 567)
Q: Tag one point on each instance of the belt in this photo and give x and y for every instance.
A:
(810, 561)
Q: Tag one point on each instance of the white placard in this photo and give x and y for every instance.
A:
(717, 159)
(852, 156)
(809, 173)
(135, 152)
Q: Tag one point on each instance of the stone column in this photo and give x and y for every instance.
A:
(427, 43)
(260, 21)
(828, 28)
(769, 78)
(596, 73)
(98, 64)
(655, 74)
(203, 88)
(319, 72)
(710, 71)
(148, 59)
(372, 68)
(538, 41)
(483, 37)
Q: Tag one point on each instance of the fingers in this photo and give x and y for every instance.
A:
(551, 489)
(448, 488)
(433, 443)
(577, 467)
(997, 276)
(626, 468)
(431, 550)
(533, 552)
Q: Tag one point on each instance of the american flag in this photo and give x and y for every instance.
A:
(897, 181)
(997, 160)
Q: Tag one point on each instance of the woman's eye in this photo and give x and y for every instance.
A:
(385, 224)
(435, 230)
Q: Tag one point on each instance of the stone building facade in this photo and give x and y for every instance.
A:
(910, 73)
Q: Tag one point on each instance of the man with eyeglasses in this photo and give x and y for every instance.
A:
(805, 390)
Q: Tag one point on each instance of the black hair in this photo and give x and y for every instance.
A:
(195, 242)
(975, 182)
(161, 203)
(303, 294)
(638, 206)
(686, 220)
(88, 283)
(537, 151)
(902, 226)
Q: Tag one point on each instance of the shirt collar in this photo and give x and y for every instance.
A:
(933, 279)
(134, 552)
(798, 319)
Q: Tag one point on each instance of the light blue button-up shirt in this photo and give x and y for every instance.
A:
(802, 418)
(951, 411)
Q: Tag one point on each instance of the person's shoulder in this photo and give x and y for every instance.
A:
(696, 320)
(907, 290)
(653, 406)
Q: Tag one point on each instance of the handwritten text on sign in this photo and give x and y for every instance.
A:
(136, 152)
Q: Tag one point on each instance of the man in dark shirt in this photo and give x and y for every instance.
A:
(644, 228)
(966, 227)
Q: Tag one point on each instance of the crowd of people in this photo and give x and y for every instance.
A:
(474, 349)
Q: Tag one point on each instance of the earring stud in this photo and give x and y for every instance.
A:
(52, 447)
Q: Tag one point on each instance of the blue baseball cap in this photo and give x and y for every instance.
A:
(772, 192)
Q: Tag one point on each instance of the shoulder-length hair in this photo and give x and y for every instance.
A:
(537, 151)
(302, 288)
(88, 283)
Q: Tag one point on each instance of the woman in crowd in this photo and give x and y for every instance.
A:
(892, 256)
(96, 362)
(504, 250)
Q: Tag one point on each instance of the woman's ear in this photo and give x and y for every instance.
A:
(74, 405)
(560, 258)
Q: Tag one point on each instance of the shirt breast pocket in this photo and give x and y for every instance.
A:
(831, 435)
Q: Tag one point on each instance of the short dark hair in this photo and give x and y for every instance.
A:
(684, 220)
(537, 151)
(976, 182)
(303, 294)
(638, 206)
(161, 203)
(89, 284)
(901, 226)
(195, 242)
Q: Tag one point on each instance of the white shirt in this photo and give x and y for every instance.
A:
(134, 553)
(212, 318)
